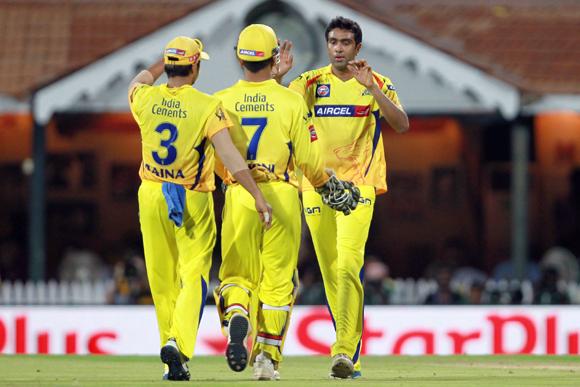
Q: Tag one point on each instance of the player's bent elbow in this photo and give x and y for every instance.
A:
(404, 127)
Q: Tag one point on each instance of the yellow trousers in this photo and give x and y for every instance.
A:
(178, 261)
(339, 242)
(258, 267)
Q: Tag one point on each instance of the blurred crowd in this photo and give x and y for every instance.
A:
(448, 279)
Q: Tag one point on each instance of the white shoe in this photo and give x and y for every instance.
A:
(264, 368)
(342, 367)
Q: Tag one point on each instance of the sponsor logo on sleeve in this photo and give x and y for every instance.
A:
(391, 87)
(323, 90)
(313, 135)
(219, 113)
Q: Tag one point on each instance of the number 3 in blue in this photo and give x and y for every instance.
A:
(261, 123)
(171, 151)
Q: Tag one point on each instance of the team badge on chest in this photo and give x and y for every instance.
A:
(323, 90)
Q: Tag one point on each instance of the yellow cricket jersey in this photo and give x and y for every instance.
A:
(273, 131)
(176, 127)
(346, 116)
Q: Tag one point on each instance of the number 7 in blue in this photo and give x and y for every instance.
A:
(261, 123)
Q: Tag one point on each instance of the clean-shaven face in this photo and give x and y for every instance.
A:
(341, 48)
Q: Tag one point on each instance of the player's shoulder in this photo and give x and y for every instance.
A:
(138, 92)
(289, 95)
(223, 92)
(204, 98)
(139, 87)
(383, 80)
(227, 94)
(311, 76)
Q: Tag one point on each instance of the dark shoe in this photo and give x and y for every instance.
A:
(342, 367)
(236, 352)
(176, 362)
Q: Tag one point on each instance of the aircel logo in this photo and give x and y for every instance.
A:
(341, 110)
(175, 51)
(251, 52)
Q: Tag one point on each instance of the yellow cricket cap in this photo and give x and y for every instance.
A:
(184, 51)
(257, 42)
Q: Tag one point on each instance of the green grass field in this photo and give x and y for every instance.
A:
(297, 371)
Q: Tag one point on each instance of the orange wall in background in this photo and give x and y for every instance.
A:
(409, 216)
(558, 153)
(406, 216)
(15, 137)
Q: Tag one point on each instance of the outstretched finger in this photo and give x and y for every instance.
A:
(285, 48)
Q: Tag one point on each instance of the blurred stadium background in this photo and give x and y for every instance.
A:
(484, 191)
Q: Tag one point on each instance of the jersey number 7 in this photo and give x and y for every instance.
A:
(261, 123)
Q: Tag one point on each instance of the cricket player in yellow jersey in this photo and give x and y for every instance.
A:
(347, 100)
(178, 126)
(273, 130)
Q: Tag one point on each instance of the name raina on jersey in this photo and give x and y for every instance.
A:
(169, 108)
(254, 103)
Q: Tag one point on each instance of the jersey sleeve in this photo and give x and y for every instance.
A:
(218, 119)
(299, 85)
(135, 93)
(306, 147)
(391, 93)
(387, 89)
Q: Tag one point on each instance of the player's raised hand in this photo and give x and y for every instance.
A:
(362, 72)
(286, 60)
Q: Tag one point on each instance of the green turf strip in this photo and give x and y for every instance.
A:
(469, 371)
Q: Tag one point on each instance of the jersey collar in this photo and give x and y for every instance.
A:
(328, 70)
(173, 90)
(244, 83)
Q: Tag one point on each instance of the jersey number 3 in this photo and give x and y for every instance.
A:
(167, 144)
(261, 123)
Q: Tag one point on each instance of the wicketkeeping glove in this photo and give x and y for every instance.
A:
(339, 195)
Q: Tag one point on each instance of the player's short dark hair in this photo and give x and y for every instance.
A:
(178, 70)
(254, 67)
(344, 23)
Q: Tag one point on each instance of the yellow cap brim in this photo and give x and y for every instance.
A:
(204, 55)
